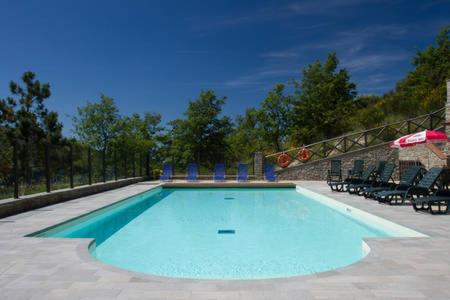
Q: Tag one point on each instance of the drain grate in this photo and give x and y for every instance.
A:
(225, 231)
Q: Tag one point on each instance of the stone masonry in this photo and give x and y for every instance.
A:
(259, 165)
(424, 155)
(317, 170)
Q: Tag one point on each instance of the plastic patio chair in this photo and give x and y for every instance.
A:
(219, 172)
(192, 172)
(167, 174)
(242, 174)
(269, 173)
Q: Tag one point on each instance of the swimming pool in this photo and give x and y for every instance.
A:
(227, 233)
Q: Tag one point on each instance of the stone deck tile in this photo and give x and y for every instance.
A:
(48, 268)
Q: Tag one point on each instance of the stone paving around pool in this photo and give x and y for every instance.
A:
(50, 268)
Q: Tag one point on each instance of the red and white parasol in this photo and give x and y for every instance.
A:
(426, 136)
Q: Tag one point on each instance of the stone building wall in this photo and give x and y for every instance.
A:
(423, 153)
(317, 170)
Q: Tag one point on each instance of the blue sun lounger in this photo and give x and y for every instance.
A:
(269, 173)
(219, 172)
(167, 172)
(192, 172)
(242, 174)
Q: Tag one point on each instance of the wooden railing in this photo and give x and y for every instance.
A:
(367, 138)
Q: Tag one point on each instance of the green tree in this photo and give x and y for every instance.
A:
(324, 102)
(423, 90)
(201, 135)
(138, 134)
(274, 117)
(26, 121)
(97, 123)
(247, 137)
(24, 114)
(370, 112)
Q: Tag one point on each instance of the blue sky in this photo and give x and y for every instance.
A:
(157, 55)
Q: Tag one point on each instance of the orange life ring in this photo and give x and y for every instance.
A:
(303, 155)
(284, 160)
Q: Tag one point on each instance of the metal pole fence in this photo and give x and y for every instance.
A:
(115, 165)
(89, 166)
(15, 171)
(147, 164)
(125, 166)
(104, 165)
(47, 167)
(140, 164)
(71, 165)
(134, 164)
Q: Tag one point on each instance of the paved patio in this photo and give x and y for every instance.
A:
(39, 268)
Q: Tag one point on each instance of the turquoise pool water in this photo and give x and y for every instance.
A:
(221, 233)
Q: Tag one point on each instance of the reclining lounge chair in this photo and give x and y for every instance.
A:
(192, 172)
(366, 180)
(242, 174)
(167, 170)
(400, 191)
(219, 172)
(269, 174)
(385, 183)
(353, 175)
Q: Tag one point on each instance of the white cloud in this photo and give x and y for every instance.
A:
(372, 61)
(281, 54)
(259, 78)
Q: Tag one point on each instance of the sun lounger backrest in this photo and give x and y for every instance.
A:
(380, 167)
(410, 175)
(430, 178)
(268, 169)
(335, 168)
(386, 174)
(219, 171)
(368, 172)
(358, 167)
(167, 168)
(242, 172)
(192, 169)
(269, 173)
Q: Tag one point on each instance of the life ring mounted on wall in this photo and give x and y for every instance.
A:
(303, 155)
(284, 160)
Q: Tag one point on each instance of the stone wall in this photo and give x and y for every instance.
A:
(425, 154)
(317, 170)
(11, 207)
(259, 165)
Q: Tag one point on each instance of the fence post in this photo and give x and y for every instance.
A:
(15, 171)
(47, 167)
(134, 164)
(408, 124)
(71, 165)
(125, 166)
(104, 165)
(115, 165)
(147, 164)
(89, 166)
(140, 164)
